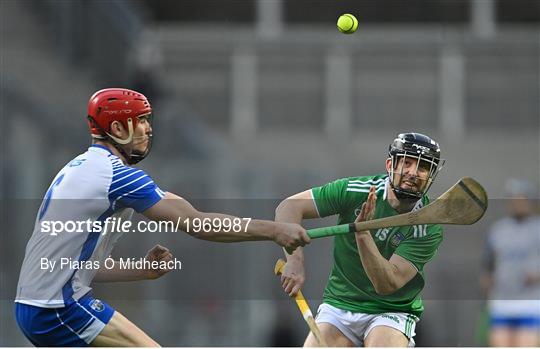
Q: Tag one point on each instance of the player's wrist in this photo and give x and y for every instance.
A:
(297, 256)
(295, 260)
(365, 234)
(263, 229)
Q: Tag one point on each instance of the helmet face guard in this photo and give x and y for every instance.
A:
(134, 156)
(425, 151)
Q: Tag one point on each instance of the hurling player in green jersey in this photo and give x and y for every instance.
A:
(372, 297)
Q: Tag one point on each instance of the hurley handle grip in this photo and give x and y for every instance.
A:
(330, 231)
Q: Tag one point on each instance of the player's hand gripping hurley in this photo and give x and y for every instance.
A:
(303, 306)
(464, 203)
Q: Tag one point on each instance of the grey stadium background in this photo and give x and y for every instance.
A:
(254, 101)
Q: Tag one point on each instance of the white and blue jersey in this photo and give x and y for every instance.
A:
(513, 254)
(92, 187)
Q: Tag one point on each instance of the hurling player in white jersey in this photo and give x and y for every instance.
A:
(54, 306)
(512, 270)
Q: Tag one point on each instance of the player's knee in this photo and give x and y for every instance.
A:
(282, 206)
(122, 332)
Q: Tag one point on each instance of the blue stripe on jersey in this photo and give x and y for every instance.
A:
(124, 176)
(127, 185)
(120, 171)
(86, 252)
(132, 187)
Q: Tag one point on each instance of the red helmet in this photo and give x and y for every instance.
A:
(116, 104)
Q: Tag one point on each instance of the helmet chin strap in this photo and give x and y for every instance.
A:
(119, 142)
(135, 156)
(127, 140)
(404, 195)
(132, 158)
(400, 193)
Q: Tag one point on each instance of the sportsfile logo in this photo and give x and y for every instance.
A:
(110, 224)
(116, 224)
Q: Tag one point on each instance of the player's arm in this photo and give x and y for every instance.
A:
(292, 210)
(387, 276)
(177, 210)
(117, 274)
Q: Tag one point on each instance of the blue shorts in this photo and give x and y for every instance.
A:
(75, 325)
(515, 321)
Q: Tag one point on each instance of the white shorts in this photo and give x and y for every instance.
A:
(514, 308)
(357, 326)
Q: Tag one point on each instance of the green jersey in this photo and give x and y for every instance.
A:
(349, 287)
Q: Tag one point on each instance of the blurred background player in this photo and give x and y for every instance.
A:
(512, 270)
(55, 307)
(373, 295)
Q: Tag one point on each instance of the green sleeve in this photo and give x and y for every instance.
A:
(331, 198)
(421, 246)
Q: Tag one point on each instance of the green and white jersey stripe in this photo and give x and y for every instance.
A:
(363, 186)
